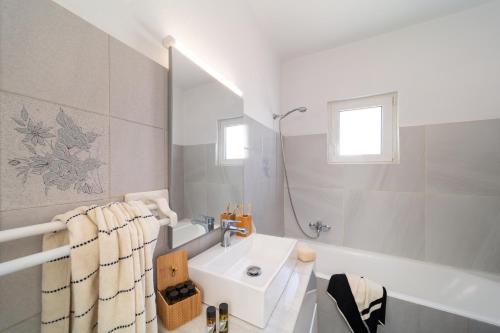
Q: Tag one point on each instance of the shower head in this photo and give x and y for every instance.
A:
(300, 109)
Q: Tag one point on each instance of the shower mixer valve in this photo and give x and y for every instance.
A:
(319, 227)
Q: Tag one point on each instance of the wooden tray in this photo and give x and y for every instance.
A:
(172, 269)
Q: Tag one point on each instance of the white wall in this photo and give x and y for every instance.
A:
(223, 33)
(198, 110)
(445, 70)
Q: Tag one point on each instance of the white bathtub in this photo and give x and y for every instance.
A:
(460, 292)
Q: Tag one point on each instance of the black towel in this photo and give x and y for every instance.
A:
(369, 312)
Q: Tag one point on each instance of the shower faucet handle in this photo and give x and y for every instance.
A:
(319, 227)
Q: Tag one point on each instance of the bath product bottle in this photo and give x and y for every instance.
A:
(184, 293)
(211, 321)
(191, 290)
(173, 297)
(227, 214)
(245, 220)
(223, 318)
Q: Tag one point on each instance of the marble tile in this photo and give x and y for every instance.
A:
(61, 58)
(218, 197)
(218, 174)
(138, 86)
(311, 205)
(387, 222)
(464, 231)
(195, 199)
(138, 157)
(31, 325)
(267, 214)
(432, 320)
(306, 162)
(263, 183)
(401, 316)
(51, 154)
(464, 158)
(474, 326)
(407, 176)
(195, 163)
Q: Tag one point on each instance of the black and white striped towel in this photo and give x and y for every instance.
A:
(361, 302)
(106, 283)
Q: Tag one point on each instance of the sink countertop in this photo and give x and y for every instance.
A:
(282, 319)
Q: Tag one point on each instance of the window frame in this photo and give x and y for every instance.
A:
(222, 124)
(389, 131)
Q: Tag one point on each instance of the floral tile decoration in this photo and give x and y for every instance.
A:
(51, 153)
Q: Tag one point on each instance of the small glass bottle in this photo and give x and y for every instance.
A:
(173, 297)
(223, 318)
(183, 294)
(211, 320)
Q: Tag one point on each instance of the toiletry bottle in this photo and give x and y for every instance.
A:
(173, 297)
(245, 220)
(227, 214)
(211, 320)
(223, 318)
(184, 293)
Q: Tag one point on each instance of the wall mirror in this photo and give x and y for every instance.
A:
(207, 146)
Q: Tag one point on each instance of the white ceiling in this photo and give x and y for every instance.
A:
(297, 27)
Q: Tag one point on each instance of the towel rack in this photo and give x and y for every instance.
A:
(155, 200)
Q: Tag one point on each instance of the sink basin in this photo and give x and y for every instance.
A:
(222, 275)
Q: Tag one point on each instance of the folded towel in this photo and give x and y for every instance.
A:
(361, 302)
(106, 283)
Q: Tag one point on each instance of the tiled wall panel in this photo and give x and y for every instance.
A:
(439, 204)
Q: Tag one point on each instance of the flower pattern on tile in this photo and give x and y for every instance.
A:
(64, 161)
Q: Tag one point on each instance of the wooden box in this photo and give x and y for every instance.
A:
(172, 269)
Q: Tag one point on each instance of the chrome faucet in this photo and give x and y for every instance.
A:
(228, 228)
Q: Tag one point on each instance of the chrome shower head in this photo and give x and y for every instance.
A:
(300, 109)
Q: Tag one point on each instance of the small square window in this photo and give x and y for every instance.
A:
(232, 141)
(363, 130)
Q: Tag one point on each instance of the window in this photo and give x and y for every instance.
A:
(232, 141)
(363, 130)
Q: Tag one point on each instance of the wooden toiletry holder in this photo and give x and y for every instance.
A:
(171, 269)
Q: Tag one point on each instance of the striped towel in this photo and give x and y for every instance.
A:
(106, 283)
(360, 301)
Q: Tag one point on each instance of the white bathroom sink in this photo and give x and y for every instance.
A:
(222, 275)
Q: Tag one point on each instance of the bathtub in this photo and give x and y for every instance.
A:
(466, 294)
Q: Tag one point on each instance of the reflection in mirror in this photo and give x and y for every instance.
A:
(208, 141)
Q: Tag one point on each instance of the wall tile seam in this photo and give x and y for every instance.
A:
(426, 217)
(79, 109)
(77, 203)
(109, 112)
(76, 108)
(412, 126)
(20, 322)
(351, 189)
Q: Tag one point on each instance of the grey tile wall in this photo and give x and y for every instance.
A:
(316, 204)
(51, 54)
(138, 86)
(387, 222)
(464, 158)
(263, 181)
(207, 187)
(439, 204)
(138, 157)
(82, 121)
